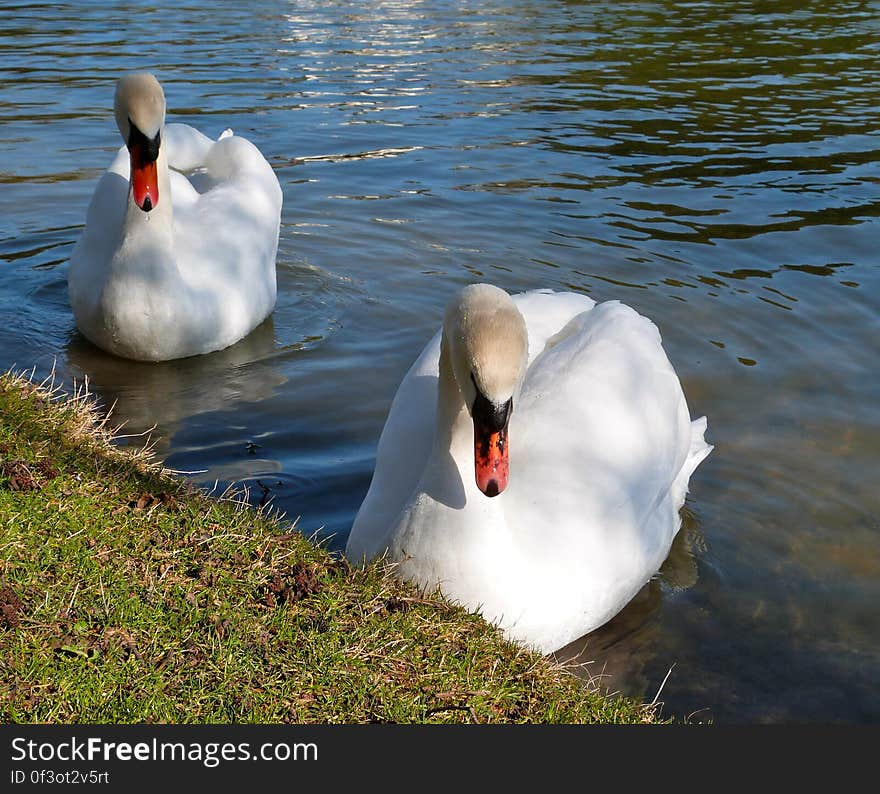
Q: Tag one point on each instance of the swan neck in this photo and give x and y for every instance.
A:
(454, 430)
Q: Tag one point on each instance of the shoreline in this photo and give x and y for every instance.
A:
(128, 595)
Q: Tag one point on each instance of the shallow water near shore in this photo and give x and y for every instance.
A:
(713, 165)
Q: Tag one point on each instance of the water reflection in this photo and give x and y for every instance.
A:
(148, 396)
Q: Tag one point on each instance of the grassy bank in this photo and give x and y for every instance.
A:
(127, 596)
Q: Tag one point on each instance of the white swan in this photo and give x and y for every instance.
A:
(170, 266)
(585, 403)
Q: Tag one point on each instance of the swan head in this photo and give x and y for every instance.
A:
(140, 115)
(488, 348)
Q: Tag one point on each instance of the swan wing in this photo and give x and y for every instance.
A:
(187, 147)
(547, 312)
(599, 440)
(226, 238)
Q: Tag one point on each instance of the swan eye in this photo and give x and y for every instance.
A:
(147, 148)
(490, 415)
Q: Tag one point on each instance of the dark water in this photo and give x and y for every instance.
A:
(713, 164)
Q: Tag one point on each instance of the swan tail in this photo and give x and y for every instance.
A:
(698, 452)
(700, 448)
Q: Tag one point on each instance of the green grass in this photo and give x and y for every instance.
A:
(128, 596)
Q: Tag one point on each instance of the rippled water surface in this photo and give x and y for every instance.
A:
(714, 165)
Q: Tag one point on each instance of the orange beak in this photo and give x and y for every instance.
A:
(144, 177)
(491, 463)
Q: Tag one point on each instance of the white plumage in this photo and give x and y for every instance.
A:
(196, 271)
(601, 448)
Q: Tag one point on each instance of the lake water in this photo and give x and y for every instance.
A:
(716, 165)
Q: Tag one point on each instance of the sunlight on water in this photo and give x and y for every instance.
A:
(714, 165)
